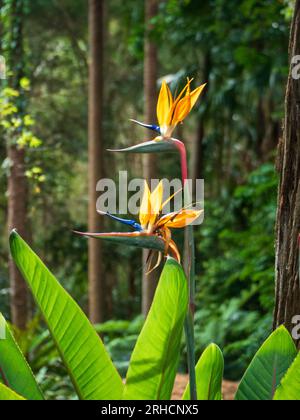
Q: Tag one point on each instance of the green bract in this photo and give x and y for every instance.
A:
(142, 241)
(150, 147)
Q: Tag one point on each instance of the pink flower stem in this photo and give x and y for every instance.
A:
(183, 160)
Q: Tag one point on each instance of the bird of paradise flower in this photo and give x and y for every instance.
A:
(172, 111)
(153, 231)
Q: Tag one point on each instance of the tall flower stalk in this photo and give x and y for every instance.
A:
(171, 111)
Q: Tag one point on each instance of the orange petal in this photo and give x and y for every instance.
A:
(145, 210)
(170, 244)
(186, 104)
(180, 219)
(174, 250)
(156, 199)
(175, 103)
(164, 104)
(195, 95)
(182, 110)
(170, 198)
(167, 238)
(186, 90)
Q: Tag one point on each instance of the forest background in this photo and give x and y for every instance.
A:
(240, 47)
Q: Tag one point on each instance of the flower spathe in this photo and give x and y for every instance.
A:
(172, 111)
(153, 225)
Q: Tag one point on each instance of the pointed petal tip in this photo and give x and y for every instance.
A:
(151, 127)
(135, 121)
(13, 234)
(76, 232)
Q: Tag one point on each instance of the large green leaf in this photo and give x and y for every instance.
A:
(6, 394)
(83, 353)
(154, 361)
(14, 368)
(289, 389)
(268, 367)
(209, 375)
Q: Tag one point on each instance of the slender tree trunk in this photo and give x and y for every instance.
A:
(288, 216)
(17, 219)
(150, 168)
(96, 278)
(17, 182)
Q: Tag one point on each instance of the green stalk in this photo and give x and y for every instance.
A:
(189, 267)
(190, 341)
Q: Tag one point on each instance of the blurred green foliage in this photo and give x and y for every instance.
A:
(236, 285)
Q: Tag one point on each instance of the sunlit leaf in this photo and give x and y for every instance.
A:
(289, 389)
(6, 394)
(83, 353)
(209, 375)
(268, 367)
(130, 239)
(15, 369)
(154, 361)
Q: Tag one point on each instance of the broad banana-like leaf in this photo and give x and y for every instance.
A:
(15, 369)
(289, 389)
(209, 375)
(153, 146)
(7, 394)
(154, 361)
(137, 239)
(268, 367)
(83, 353)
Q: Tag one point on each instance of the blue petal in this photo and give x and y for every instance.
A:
(132, 223)
(148, 126)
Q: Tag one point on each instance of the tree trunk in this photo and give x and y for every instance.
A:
(288, 216)
(17, 182)
(1, 28)
(150, 167)
(95, 223)
(17, 219)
